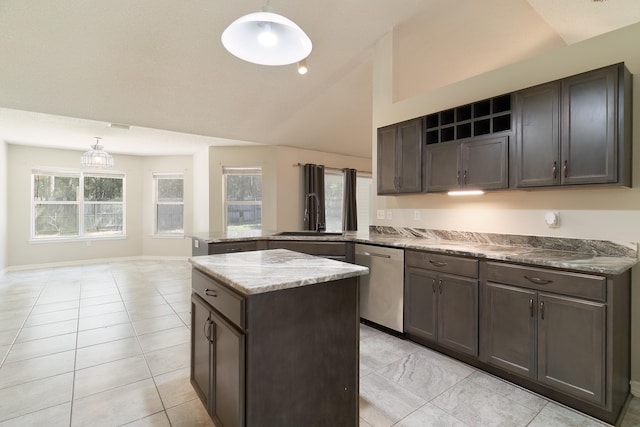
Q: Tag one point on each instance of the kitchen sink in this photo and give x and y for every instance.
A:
(308, 233)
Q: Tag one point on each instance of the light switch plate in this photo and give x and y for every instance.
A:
(380, 214)
(416, 215)
(388, 214)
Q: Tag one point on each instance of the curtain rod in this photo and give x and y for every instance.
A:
(334, 169)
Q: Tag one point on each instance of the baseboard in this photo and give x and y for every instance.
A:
(635, 388)
(92, 261)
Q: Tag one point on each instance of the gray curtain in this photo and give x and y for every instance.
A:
(314, 217)
(349, 210)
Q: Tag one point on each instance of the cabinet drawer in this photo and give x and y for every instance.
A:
(442, 263)
(326, 249)
(219, 297)
(225, 248)
(575, 284)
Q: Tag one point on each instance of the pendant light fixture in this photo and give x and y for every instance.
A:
(97, 158)
(266, 38)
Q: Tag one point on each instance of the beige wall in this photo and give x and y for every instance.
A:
(3, 205)
(200, 221)
(281, 180)
(612, 214)
(138, 242)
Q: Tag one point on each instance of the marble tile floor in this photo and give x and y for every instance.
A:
(108, 345)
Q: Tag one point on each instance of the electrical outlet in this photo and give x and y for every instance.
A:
(416, 215)
(196, 243)
(388, 214)
(380, 214)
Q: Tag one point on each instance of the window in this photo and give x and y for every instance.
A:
(169, 203)
(334, 196)
(242, 198)
(59, 198)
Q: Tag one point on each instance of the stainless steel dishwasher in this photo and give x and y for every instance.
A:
(382, 291)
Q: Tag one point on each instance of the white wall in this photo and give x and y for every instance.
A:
(165, 246)
(139, 215)
(3, 205)
(281, 180)
(605, 214)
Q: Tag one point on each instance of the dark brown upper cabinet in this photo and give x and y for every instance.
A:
(400, 157)
(476, 163)
(575, 131)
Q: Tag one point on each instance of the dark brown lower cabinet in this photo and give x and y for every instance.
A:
(557, 340)
(217, 364)
(565, 333)
(571, 345)
(441, 307)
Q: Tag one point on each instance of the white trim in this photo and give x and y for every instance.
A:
(635, 388)
(76, 239)
(94, 261)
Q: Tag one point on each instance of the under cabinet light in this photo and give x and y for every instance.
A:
(466, 193)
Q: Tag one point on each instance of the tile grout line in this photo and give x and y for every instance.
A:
(144, 355)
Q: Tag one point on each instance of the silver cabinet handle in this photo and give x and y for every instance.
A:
(211, 293)
(466, 178)
(440, 285)
(538, 281)
(554, 169)
(433, 285)
(542, 310)
(458, 177)
(437, 263)
(531, 307)
(207, 329)
(564, 169)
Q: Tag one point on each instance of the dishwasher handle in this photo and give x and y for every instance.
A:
(376, 255)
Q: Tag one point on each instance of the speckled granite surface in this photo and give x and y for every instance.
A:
(273, 270)
(591, 256)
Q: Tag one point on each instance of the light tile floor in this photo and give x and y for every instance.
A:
(108, 345)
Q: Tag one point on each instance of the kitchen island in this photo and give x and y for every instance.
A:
(274, 338)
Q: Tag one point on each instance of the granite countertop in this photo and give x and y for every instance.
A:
(273, 270)
(591, 256)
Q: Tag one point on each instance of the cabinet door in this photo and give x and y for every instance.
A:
(589, 127)
(458, 313)
(387, 182)
(537, 146)
(485, 163)
(442, 167)
(410, 156)
(420, 303)
(509, 328)
(201, 351)
(571, 346)
(227, 404)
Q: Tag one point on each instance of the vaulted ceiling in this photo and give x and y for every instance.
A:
(71, 67)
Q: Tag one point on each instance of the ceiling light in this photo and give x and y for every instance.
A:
(266, 38)
(466, 193)
(302, 67)
(97, 158)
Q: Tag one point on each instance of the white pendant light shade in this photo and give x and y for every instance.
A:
(266, 38)
(96, 158)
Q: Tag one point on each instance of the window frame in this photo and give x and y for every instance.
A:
(156, 177)
(239, 170)
(79, 202)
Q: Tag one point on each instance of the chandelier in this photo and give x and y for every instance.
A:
(97, 158)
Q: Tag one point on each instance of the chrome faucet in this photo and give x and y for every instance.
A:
(306, 210)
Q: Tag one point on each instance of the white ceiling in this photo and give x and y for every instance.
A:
(68, 68)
